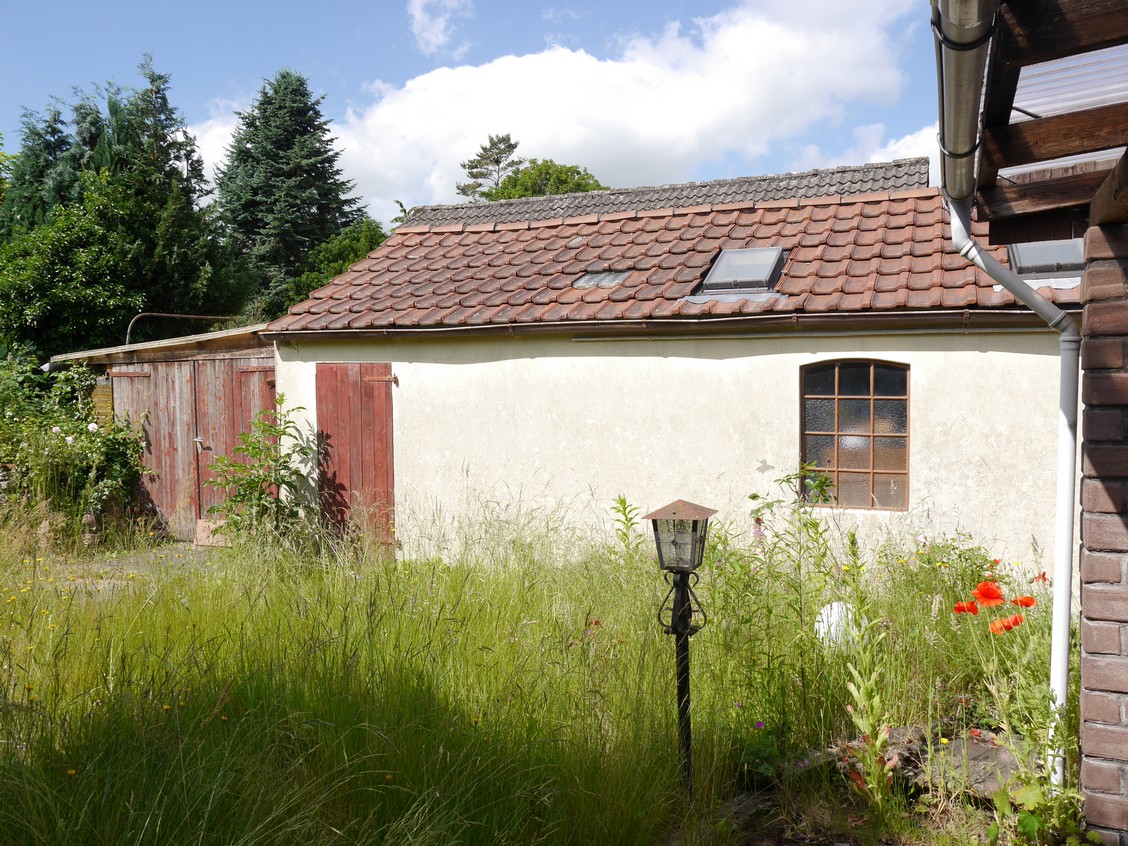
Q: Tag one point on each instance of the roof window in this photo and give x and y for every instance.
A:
(745, 270)
(601, 279)
(1047, 257)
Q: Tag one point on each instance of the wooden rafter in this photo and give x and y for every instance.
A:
(1072, 134)
(1110, 203)
(1035, 31)
(1009, 199)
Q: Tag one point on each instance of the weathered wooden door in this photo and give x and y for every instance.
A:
(230, 393)
(354, 436)
(191, 413)
(160, 396)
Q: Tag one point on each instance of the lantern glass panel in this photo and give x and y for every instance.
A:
(676, 544)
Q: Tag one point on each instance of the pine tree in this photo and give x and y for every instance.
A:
(494, 162)
(36, 184)
(281, 191)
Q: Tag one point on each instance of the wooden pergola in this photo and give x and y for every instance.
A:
(1059, 200)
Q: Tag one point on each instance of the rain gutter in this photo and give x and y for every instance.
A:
(963, 31)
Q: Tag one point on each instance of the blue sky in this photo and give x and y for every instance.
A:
(640, 93)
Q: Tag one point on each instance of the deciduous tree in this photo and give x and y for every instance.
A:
(541, 177)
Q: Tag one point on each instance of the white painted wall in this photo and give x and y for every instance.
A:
(546, 421)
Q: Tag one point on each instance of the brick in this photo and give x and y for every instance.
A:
(1106, 242)
(1104, 531)
(1108, 837)
(1100, 776)
(1103, 424)
(1104, 602)
(1100, 567)
(1103, 280)
(1102, 496)
(1102, 353)
(1097, 707)
(1102, 638)
(1101, 388)
(1111, 675)
(1107, 811)
(1105, 318)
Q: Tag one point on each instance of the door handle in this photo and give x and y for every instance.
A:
(199, 444)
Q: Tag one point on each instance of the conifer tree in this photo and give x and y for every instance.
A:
(493, 163)
(281, 191)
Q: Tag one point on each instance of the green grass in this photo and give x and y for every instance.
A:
(519, 692)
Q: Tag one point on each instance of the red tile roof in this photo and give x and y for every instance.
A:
(878, 253)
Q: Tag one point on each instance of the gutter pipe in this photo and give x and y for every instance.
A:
(963, 31)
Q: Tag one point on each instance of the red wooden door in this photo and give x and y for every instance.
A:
(354, 436)
(160, 396)
(230, 393)
(191, 412)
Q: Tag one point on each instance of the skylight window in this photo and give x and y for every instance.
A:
(1047, 257)
(745, 270)
(601, 279)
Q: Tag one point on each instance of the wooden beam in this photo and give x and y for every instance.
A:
(1002, 82)
(1044, 226)
(1110, 203)
(1056, 137)
(1033, 31)
(1010, 199)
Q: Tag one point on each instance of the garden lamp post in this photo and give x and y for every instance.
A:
(679, 534)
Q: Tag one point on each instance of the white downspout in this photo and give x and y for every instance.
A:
(963, 33)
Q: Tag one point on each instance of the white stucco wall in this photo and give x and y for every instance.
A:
(550, 421)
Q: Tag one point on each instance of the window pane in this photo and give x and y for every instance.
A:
(819, 450)
(892, 417)
(854, 380)
(891, 491)
(854, 416)
(890, 381)
(818, 415)
(890, 454)
(819, 381)
(854, 490)
(854, 452)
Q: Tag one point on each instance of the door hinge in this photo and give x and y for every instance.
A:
(393, 379)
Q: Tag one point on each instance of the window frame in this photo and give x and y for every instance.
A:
(836, 397)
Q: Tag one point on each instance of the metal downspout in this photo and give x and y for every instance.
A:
(963, 30)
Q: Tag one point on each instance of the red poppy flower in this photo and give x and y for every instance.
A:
(988, 594)
(966, 608)
(1024, 601)
(1006, 624)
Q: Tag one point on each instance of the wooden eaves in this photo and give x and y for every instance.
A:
(1055, 202)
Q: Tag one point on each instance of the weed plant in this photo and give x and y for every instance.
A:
(519, 691)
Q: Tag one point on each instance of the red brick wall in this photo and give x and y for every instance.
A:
(1104, 535)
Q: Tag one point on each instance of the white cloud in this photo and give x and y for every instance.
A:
(923, 142)
(730, 88)
(214, 134)
(431, 24)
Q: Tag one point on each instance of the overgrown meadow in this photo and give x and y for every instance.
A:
(518, 691)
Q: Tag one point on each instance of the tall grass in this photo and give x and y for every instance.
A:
(520, 691)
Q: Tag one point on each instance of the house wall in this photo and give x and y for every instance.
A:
(551, 421)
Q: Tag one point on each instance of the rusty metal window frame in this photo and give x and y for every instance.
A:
(879, 481)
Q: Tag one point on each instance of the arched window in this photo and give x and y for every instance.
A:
(855, 422)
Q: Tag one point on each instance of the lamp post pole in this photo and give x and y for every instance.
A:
(681, 618)
(679, 534)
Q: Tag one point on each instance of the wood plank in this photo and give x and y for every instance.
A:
(1009, 199)
(998, 102)
(1056, 137)
(1034, 31)
(1055, 225)
(1110, 203)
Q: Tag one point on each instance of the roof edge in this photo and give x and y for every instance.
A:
(204, 340)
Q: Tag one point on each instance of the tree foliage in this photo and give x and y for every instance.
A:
(336, 255)
(539, 178)
(282, 192)
(493, 163)
(142, 241)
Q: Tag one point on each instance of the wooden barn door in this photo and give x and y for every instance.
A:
(191, 412)
(230, 393)
(354, 436)
(160, 396)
